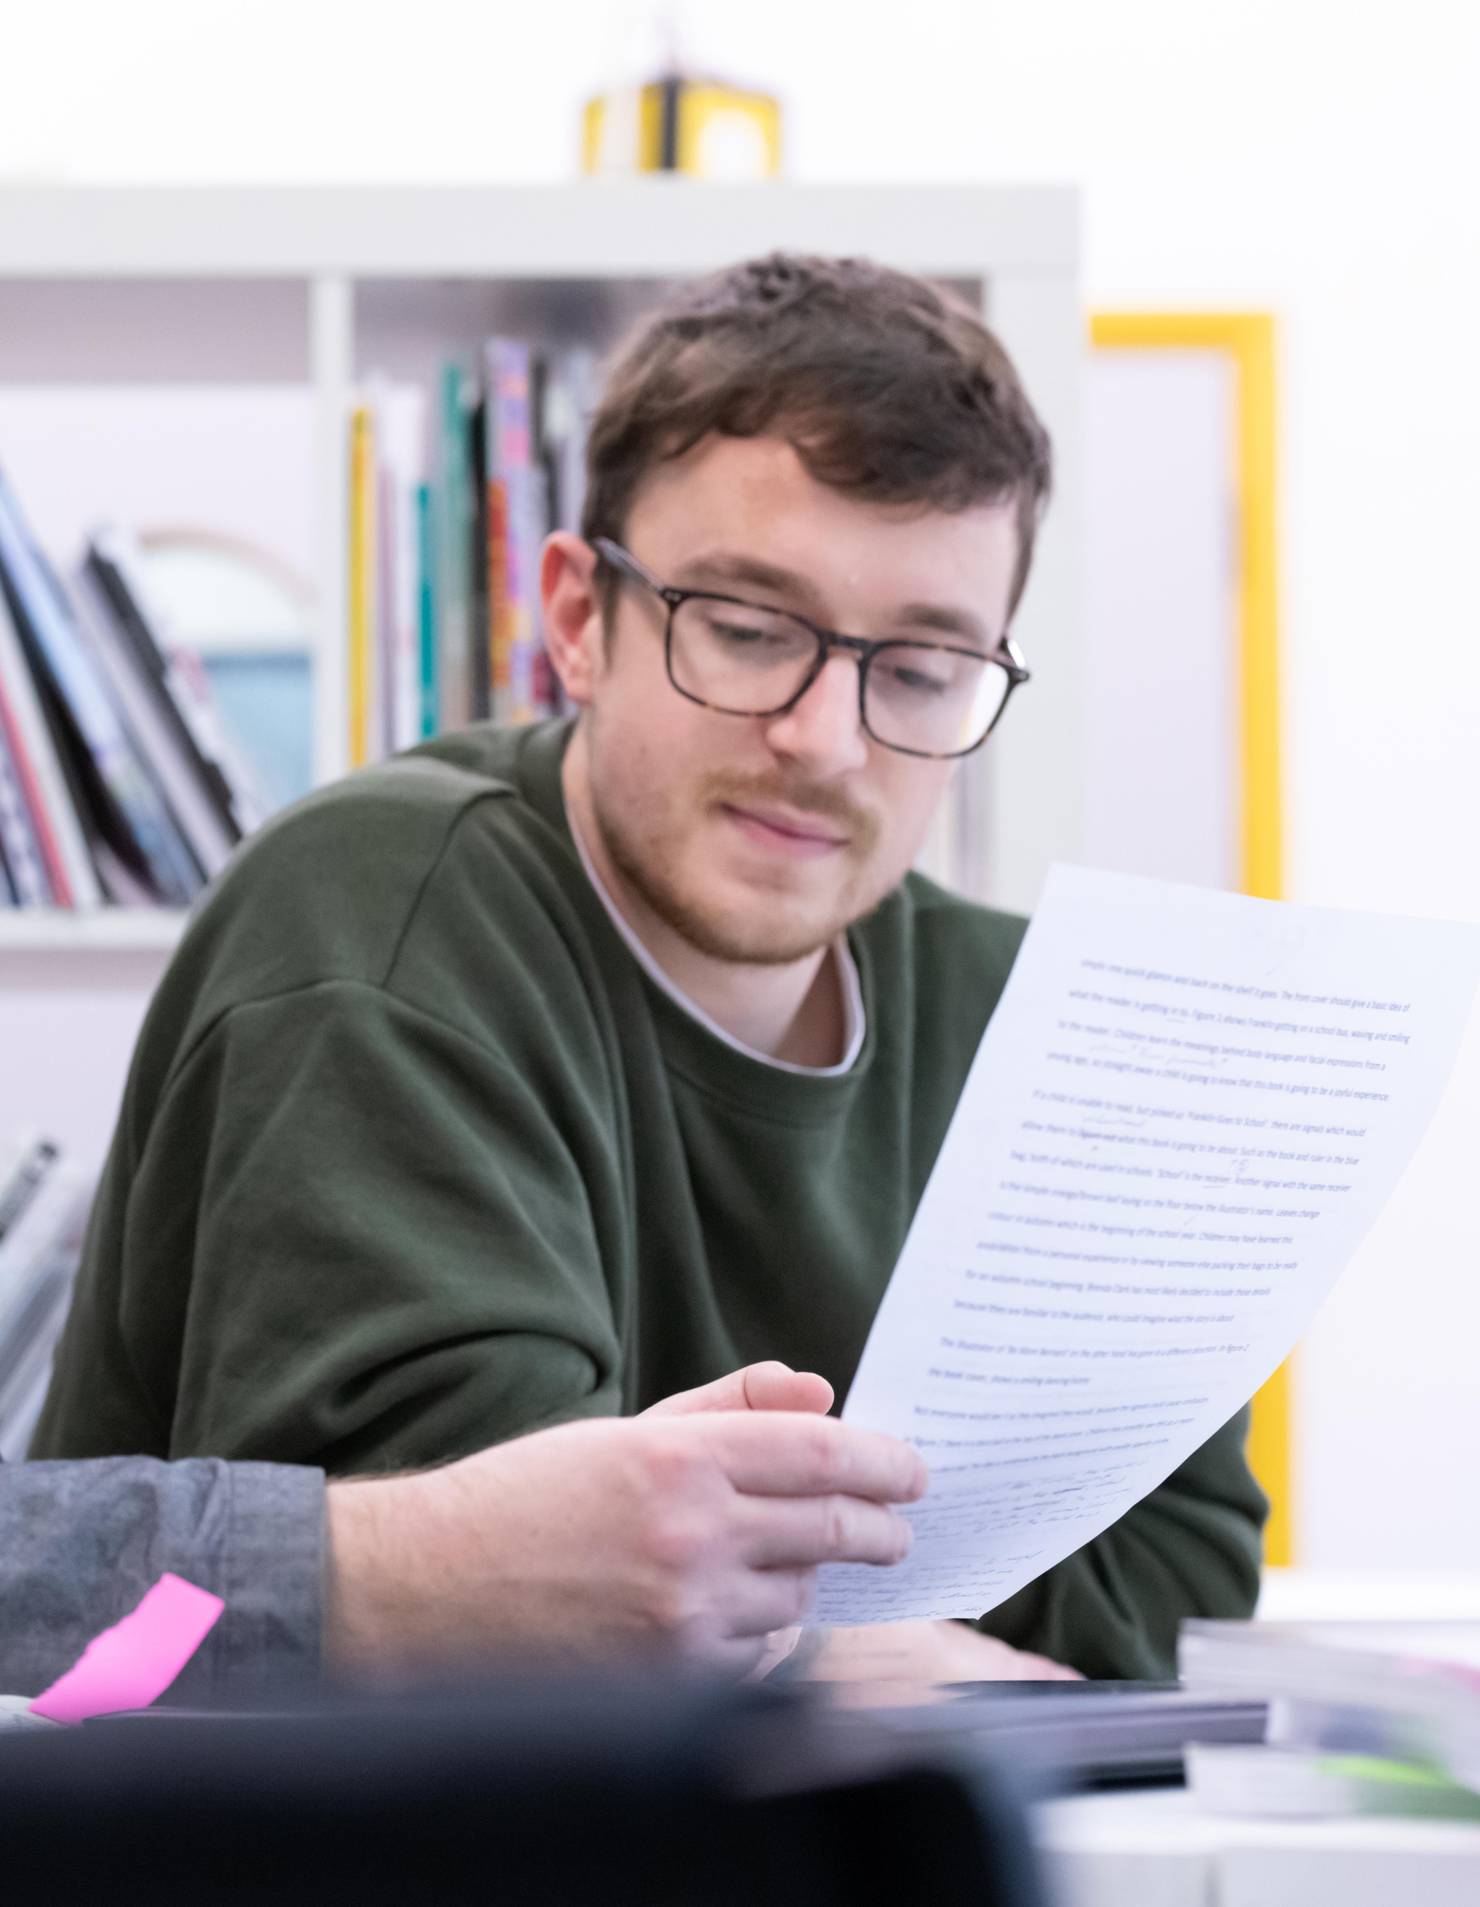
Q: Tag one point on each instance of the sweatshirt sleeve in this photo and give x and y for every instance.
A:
(1190, 1548)
(80, 1543)
(353, 1237)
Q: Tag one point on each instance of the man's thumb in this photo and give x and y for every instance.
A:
(768, 1386)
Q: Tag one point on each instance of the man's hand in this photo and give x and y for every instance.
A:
(913, 1653)
(923, 1653)
(696, 1530)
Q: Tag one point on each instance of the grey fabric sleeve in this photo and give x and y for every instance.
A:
(81, 1542)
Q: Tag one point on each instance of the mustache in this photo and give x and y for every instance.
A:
(820, 801)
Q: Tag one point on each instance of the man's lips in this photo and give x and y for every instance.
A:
(802, 834)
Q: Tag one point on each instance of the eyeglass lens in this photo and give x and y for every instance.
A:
(747, 660)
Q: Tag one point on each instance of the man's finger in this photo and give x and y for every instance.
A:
(768, 1386)
(778, 1453)
(766, 1600)
(805, 1532)
(774, 1386)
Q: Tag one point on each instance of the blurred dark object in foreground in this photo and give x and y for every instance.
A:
(633, 1795)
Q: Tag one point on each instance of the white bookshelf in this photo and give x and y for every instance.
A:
(317, 287)
(102, 930)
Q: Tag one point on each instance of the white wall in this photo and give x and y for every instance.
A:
(1306, 156)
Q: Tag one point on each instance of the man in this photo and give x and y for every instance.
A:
(537, 1075)
(692, 1530)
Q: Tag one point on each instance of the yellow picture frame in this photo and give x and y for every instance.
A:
(1248, 339)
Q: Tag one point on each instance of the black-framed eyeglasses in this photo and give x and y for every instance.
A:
(932, 699)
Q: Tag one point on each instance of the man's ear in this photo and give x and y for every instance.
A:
(571, 601)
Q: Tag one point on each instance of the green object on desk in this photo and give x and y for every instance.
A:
(1409, 1787)
(1378, 1768)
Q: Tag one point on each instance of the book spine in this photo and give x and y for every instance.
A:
(22, 849)
(28, 791)
(74, 878)
(399, 419)
(426, 609)
(112, 568)
(544, 684)
(190, 690)
(480, 658)
(404, 663)
(456, 530)
(404, 454)
(172, 767)
(509, 383)
(361, 580)
(500, 624)
(564, 413)
(387, 558)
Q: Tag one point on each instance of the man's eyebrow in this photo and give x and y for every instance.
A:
(732, 569)
(726, 569)
(946, 621)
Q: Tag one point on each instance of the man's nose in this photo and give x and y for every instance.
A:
(824, 729)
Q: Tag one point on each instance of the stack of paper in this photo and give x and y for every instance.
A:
(1363, 1717)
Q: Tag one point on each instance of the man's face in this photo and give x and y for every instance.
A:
(756, 838)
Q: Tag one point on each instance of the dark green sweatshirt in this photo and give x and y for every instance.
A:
(413, 1157)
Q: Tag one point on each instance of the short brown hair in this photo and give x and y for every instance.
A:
(887, 389)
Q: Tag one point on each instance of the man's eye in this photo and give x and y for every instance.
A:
(918, 682)
(756, 635)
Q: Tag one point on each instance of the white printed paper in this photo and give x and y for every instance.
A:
(1185, 1113)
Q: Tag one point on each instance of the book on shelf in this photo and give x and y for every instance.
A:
(426, 611)
(445, 531)
(29, 750)
(362, 580)
(175, 682)
(515, 525)
(44, 1205)
(393, 666)
(117, 783)
(457, 520)
(136, 842)
(400, 433)
(209, 830)
(25, 876)
(486, 556)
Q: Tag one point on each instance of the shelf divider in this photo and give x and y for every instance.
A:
(50, 930)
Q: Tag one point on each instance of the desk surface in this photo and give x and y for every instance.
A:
(1152, 1847)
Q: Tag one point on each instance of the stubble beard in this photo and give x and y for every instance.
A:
(756, 936)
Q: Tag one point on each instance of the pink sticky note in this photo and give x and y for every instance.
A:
(134, 1662)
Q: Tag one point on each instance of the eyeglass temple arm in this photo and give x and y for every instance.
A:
(1017, 668)
(623, 560)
